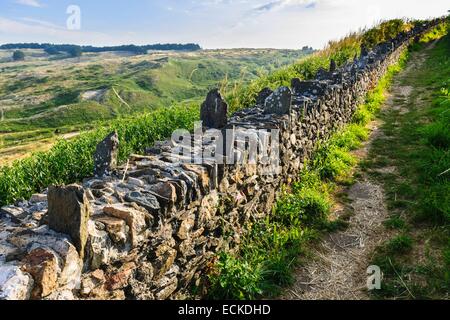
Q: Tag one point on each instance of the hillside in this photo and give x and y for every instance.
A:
(46, 94)
(337, 216)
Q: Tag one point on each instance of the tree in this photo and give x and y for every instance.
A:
(75, 51)
(51, 50)
(18, 55)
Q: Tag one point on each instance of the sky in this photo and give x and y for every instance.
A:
(289, 24)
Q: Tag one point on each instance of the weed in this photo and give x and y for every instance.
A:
(395, 222)
(399, 245)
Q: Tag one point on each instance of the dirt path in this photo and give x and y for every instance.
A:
(338, 267)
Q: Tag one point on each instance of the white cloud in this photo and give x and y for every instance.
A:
(279, 4)
(31, 3)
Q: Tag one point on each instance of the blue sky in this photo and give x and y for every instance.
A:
(211, 23)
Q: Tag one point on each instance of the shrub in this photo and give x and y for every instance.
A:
(333, 162)
(385, 31)
(307, 207)
(75, 51)
(18, 55)
(236, 279)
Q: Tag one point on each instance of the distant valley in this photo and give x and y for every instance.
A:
(45, 97)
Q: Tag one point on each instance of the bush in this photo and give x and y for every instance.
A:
(51, 50)
(18, 55)
(385, 31)
(306, 207)
(75, 51)
(237, 279)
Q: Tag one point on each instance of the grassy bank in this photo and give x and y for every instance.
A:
(416, 259)
(274, 247)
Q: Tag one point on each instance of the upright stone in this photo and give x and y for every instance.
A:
(364, 51)
(323, 74)
(333, 66)
(308, 87)
(68, 212)
(214, 111)
(105, 157)
(262, 96)
(279, 102)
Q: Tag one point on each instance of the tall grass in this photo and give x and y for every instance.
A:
(71, 161)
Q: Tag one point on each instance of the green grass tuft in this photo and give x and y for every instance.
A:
(399, 245)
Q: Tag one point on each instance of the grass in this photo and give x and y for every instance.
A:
(274, 247)
(416, 261)
(71, 161)
(399, 245)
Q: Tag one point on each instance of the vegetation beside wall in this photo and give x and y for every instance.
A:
(416, 259)
(274, 247)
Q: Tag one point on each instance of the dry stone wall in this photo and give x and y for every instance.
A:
(150, 229)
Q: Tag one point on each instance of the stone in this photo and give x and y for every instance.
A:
(145, 200)
(164, 260)
(15, 284)
(65, 295)
(68, 212)
(262, 96)
(164, 191)
(136, 182)
(99, 247)
(135, 220)
(309, 88)
(323, 74)
(119, 280)
(38, 198)
(166, 287)
(98, 184)
(15, 213)
(105, 157)
(116, 228)
(214, 111)
(333, 66)
(68, 259)
(145, 272)
(185, 228)
(208, 209)
(279, 102)
(43, 266)
(38, 215)
(92, 282)
(201, 173)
